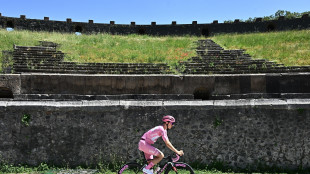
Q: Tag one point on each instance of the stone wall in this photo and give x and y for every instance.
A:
(155, 84)
(24, 23)
(237, 132)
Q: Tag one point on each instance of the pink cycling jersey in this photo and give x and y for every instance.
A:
(149, 138)
(152, 135)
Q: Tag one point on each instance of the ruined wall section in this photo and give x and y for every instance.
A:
(281, 24)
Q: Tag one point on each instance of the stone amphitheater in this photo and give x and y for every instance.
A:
(230, 108)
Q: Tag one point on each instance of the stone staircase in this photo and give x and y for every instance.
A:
(46, 59)
(213, 59)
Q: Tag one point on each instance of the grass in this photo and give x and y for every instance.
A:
(112, 168)
(288, 47)
(102, 48)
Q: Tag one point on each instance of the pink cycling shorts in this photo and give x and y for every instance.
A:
(149, 151)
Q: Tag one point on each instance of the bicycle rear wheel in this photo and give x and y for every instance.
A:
(131, 168)
(180, 168)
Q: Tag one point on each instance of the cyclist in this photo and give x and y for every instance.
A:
(150, 138)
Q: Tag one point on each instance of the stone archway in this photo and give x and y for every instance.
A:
(9, 24)
(78, 28)
(271, 27)
(6, 93)
(205, 32)
(141, 31)
(202, 93)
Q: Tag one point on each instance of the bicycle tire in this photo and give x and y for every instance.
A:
(131, 168)
(182, 168)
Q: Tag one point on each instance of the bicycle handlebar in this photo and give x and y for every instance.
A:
(177, 157)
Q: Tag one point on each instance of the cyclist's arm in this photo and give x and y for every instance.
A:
(170, 146)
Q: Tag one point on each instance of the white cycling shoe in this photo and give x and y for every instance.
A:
(147, 171)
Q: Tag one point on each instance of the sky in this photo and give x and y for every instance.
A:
(143, 12)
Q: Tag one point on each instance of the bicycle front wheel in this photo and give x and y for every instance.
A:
(180, 168)
(131, 168)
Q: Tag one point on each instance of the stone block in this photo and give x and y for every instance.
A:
(258, 84)
(11, 82)
(226, 85)
(272, 83)
(245, 84)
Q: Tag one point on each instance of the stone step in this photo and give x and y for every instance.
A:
(261, 95)
(34, 48)
(233, 57)
(252, 64)
(237, 51)
(107, 64)
(232, 61)
(227, 71)
(47, 59)
(217, 68)
(26, 68)
(79, 71)
(30, 51)
(32, 97)
(73, 65)
(48, 44)
(37, 55)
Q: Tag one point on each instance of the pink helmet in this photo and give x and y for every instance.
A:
(168, 118)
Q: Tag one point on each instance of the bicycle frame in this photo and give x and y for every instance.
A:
(168, 164)
(171, 162)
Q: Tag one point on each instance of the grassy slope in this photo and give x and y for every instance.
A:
(107, 48)
(288, 47)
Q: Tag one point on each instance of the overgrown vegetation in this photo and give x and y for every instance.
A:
(102, 48)
(285, 13)
(286, 47)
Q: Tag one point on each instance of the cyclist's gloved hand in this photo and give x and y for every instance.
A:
(180, 152)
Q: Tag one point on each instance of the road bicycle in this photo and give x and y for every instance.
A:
(169, 167)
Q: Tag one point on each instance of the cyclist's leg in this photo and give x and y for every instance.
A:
(148, 157)
(149, 152)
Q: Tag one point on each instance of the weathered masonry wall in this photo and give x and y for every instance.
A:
(237, 132)
(155, 84)
(24, 23)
